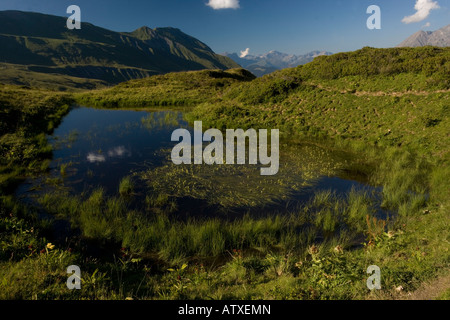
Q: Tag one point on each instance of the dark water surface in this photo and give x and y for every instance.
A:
(104, 146)
(98, 148)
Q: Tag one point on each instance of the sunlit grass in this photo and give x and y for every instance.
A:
(126, 187)
(318, 251)
(243, 186)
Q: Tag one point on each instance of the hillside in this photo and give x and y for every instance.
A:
(384, 97)
(34, 47)
(172, 89)
(439, 38)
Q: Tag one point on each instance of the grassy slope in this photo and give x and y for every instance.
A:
(173, 89)
(22, 76)
(391, 97)
(393, 112)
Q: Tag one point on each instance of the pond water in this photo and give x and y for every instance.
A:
(97, 148)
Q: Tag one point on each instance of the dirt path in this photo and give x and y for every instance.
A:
(397, 94)
(379, 93)
(429, 291)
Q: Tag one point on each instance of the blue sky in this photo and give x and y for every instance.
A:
(291, 26)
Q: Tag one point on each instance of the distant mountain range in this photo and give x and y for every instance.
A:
(267, 63)
(34, 45)
(439, 38)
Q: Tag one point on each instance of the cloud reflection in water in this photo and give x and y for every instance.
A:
(117, 152)
(95, 157)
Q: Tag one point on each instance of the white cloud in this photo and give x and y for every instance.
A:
(423, 8)
(223, 4)
(426, 25)
(245, 53)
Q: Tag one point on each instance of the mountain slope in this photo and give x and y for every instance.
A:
(272, 61)
(439, 38)
(171, 89)
(405, 92)
(40, 43)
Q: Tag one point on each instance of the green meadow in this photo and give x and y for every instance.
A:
(389, 108)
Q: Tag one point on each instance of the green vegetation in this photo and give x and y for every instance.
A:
(173, 89)
(389, 106)
(126, 187)
(172, 241)
(26, 116)
(231, 187)
(408, 108)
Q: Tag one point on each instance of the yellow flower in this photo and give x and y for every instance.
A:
(50, 246)
(313, 250)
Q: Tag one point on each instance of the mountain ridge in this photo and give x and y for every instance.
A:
(35, 42)
(438, 38)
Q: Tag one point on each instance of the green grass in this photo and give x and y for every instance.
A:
(126, 187)
(231, 187)
(26, 115)
(155, 233)
(381, 121)
(445, 295)
(330, 270)
(173, 89)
